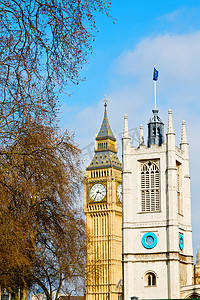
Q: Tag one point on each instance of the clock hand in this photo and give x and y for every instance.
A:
(96, 194)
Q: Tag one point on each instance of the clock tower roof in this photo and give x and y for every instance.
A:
(105, 129)
(105, 155)
(105, 159)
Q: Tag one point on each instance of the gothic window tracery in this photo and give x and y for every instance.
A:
(150, 195)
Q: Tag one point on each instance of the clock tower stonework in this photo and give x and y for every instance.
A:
(103, 218)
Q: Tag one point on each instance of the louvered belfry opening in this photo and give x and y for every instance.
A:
(150, 191)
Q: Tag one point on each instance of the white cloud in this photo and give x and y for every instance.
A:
(177, 58)
(183, 18)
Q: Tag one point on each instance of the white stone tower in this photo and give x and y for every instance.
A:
(157, 233)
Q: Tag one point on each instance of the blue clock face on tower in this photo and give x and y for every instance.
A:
(181, 241)
(149, 240)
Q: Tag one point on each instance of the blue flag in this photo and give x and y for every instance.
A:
(155, 74)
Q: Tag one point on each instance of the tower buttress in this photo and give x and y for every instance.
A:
(186, 186)
(126, 211)
(172, 213)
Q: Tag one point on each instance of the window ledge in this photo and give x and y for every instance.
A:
(149, 212)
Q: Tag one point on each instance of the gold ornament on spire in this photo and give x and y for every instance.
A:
(105, 101)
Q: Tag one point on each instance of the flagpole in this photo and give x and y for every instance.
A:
(155, 87)
(155, 92)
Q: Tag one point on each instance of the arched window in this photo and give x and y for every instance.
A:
(150, 279)
(193, 296)
(150, 196)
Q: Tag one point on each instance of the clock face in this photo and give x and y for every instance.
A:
(149, 240)
(119, 192)
(181, 241)
(97, 192)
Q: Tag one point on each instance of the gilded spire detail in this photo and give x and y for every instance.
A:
(105, 101)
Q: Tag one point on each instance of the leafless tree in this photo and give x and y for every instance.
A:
(43, 45)
(41, 227)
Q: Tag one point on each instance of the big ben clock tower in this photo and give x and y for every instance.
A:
(103, 218)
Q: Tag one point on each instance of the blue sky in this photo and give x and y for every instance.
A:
(146, 32)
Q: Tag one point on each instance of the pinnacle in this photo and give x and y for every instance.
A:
(170, 123)
(141, 139)
(183, 135)
(125, 132)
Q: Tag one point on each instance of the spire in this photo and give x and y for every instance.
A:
(183, 135)
(105, 155)
(105, 129)
(141, 140)
(170, 123)
(126, 132)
